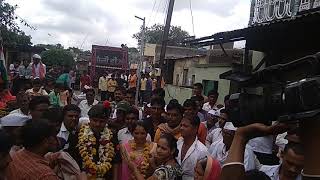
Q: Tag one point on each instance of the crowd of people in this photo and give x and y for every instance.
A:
(49, 136)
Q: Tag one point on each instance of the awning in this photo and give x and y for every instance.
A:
(300, 32)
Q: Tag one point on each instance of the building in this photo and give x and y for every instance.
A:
(152, 52)
(21, 52)
(203, 69)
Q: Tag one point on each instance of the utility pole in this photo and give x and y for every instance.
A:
(165, 41)
(141, 59)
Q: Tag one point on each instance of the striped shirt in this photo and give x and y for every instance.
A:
(29, 166)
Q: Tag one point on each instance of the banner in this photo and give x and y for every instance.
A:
(263, 11)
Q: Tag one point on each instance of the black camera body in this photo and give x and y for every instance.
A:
(290, 92)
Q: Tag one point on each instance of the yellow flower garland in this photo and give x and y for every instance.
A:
(87, 150)
(146, 155)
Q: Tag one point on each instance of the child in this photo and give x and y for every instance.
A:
(64, 96)
(36, 89)
(54, 96)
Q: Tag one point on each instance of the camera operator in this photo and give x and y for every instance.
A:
(309, 130)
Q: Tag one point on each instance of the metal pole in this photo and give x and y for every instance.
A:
(141, 60)
(165, 41)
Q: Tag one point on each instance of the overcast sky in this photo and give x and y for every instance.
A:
(82, 23)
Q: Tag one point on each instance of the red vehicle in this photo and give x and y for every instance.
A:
(108, 59)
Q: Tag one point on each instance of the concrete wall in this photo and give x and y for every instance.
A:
(207, 72)
(212, 73)
(189, 64)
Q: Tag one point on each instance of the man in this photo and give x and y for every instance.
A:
(202, 114)
(216, 134)
(85, 105)
(85, 80)
(190, 148)
(103, 86)
(130, 97)
(38, 105)
(5, 146)
(148, 91)
(152, 122)
(263, 148)
(71, 114)
(111, 87)
(38, 68)
(98, 129)
(143, 86)
(133, 80)
(291, 166)
(13, 123)
(174, 116)
(212, 98)
(219, 150)
(23, 104)
(198, 90)
(212, 120)
(190, 111)
(119, 95)
(37, 89)
(38, 139)
(25, 70)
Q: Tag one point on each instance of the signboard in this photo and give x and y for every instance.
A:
(108, 58)
(263, 11)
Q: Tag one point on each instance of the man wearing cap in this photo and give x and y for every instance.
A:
(220, 149)
(216, 133)
(12, 123)
(38, 68)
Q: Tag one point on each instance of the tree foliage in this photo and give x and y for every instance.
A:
(154, 33)
(58, 56)
(11, 33)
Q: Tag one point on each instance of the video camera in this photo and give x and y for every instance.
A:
(288, 92)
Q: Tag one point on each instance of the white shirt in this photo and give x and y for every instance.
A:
(213, 136)
(207, 107)
(262, 144)
(273, 172)
(196, 151)
(218, 152)
(85, 107)
(41, 92)
(18, 111)
(124, 136)
(64, 133)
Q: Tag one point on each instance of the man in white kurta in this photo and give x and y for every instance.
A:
(219, 151)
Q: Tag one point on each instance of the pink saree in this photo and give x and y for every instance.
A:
(126, 150)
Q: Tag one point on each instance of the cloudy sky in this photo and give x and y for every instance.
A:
(82, 23)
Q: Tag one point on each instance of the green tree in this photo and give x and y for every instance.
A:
(11, 33)
(57, 56)
(154, 33)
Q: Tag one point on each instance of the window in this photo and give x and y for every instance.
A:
(185, 77)
(193, 80)
(177, 79)
(209, 85)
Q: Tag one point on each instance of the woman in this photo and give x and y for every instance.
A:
(137, 151)
(207, 169)
(163, 165)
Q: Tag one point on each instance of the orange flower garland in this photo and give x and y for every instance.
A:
(87, 150)
(146, 155)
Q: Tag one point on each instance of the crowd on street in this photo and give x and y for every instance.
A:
(49, 132)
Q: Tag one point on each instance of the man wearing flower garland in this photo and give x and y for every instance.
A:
(96, 149)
